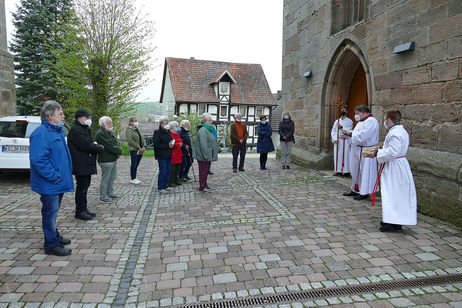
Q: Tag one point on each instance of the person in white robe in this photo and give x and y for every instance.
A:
(363, 169)
(399, 201)
(342, 157)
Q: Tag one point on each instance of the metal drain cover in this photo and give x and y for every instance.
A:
(315, 294)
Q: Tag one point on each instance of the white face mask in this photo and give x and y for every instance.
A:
(87, 122)
(238, 120)
(385, 124)
(357, 117)
(136, 124)
(167, 127)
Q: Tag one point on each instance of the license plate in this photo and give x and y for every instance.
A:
(15, 148)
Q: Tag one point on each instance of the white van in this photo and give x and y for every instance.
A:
(14, 140)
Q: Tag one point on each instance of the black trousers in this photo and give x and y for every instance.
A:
(239, 150)
(83, 182)
(263, 159)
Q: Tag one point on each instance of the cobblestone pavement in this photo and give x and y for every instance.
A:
(256, 232)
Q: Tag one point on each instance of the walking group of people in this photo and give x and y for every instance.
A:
(356, 155)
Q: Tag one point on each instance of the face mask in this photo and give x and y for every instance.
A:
(60, 124)
(263, 122)
(177, 129)
(385, 124)
(238, 120)
(87, 122)
(136, 124)
(343, 113)
(286, 117)
(167, 127)
(357, 117)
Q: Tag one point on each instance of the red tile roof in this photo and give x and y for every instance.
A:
(192, 81)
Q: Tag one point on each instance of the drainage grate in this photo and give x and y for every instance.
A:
(328, 292)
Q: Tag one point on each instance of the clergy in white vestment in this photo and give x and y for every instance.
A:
(399, 201)
(363, 169)
(342, 147)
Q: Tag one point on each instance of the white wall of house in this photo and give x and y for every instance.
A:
(168, 100)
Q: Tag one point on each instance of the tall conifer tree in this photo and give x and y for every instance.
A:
(39, 25)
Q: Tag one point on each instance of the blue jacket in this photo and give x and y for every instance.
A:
(50, 161)
(264, 143)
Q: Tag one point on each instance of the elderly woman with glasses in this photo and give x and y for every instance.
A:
(205, 150)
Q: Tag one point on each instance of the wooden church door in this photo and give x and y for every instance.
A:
(358, 92)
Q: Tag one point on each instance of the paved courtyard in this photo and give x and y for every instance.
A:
(256, 232)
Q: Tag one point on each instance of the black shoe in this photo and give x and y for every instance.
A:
(337, 174)
(241, 169)
(89, 213)
(65, 241)
(210, 172)
(346, 175)
(178, 183)
(172, 185)
(391, 228)
(350, 193)
(187, 178)
(234, 170)
(283, 166)
(361, 197)
(287, 167)
(182, 180)
(58, 251)
(82, 216)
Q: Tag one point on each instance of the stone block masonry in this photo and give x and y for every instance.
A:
(7, 88)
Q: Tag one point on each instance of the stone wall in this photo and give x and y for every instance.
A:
(425, 84)
(7, 88)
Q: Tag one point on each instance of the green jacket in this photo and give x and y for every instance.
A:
(112, 148)
(205, 146)
(135, 139)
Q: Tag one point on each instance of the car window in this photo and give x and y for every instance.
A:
(30, 128)
(17, 129)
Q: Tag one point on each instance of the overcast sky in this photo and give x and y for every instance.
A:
(244, 31)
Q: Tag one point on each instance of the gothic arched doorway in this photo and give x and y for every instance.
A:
(348, 78)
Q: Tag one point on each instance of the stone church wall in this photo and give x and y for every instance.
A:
(425, 84)
(7, 88)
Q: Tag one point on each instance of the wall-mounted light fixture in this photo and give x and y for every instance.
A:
(307, 74)
(404, 47)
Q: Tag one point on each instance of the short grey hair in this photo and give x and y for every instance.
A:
(163, 119)
(49, 108)
(102, 121)
(171, 124)
(130, 120)
(184, 122)
(205, 117)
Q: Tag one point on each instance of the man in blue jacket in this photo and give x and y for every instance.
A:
(51, 173)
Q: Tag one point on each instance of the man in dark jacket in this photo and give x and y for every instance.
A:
(186, 149)
(83, 152)
(163, 144)
(51, 173)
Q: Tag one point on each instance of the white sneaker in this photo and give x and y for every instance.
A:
(135, 181)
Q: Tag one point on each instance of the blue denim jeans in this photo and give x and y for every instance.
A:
(185, 165)
(165, 166)
(135, 162)
(50, 208)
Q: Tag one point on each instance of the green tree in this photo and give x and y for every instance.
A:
(106, 55)
(39, 25)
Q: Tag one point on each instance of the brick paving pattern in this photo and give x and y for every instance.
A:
(256, 232)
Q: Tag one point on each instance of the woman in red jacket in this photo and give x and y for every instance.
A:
(177, 156)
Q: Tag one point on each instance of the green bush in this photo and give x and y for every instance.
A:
(147, 153)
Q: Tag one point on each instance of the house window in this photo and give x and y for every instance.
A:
(243, 111)
(234, 110)
(266, 111)
(224, 88)
(259, 113)
(223, 112)
(213, 110)
(201, 109)
(192, 108)
(183, 108)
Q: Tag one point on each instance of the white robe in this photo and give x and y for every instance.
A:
(343, 165)
(399, 201)
(364, 169)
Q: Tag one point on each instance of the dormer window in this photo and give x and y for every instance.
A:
(224, 88)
